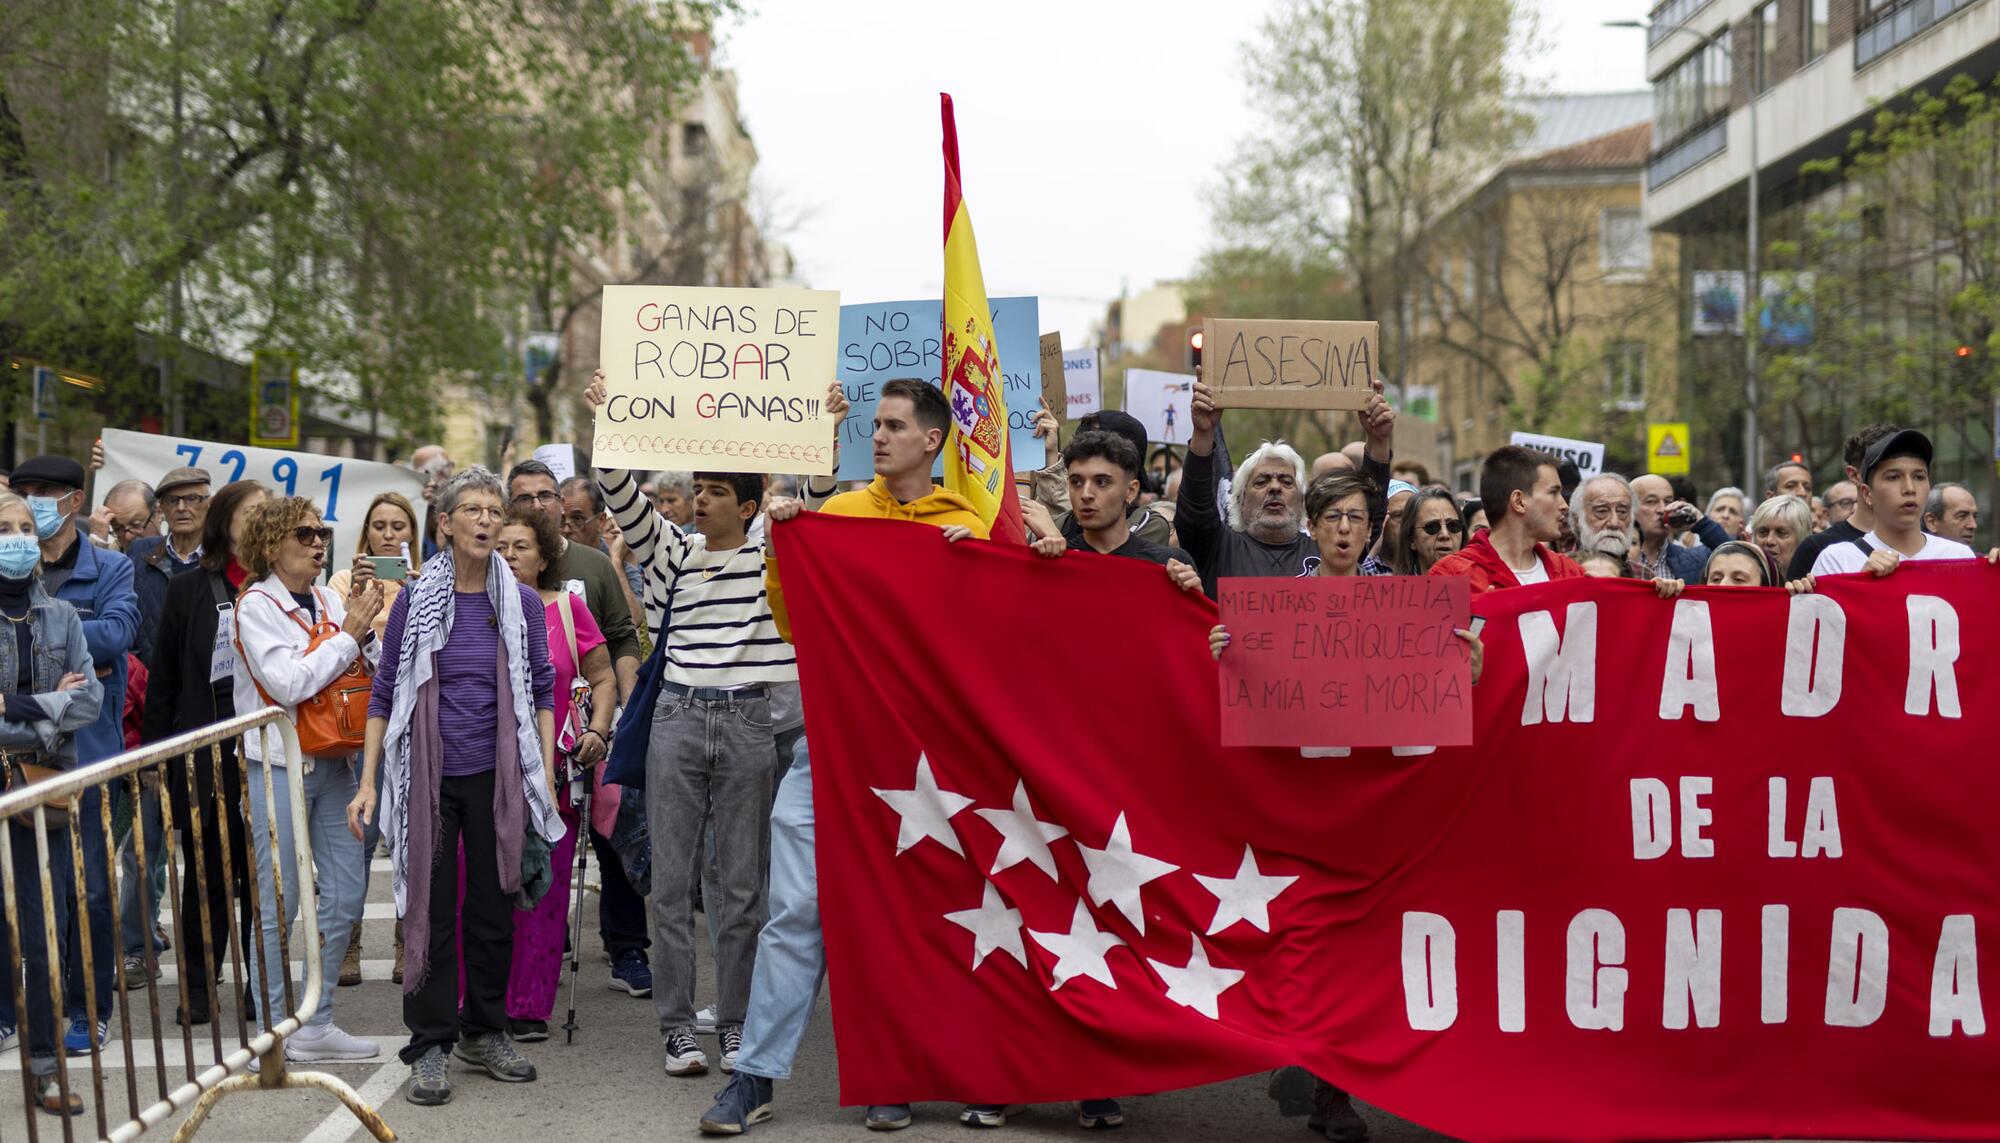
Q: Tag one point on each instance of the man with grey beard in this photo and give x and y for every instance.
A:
(1601, 516)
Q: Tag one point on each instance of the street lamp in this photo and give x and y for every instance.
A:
(1751, 442)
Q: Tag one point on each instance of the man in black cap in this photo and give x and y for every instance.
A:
(1857, 522)
(1895, 480)
(98, 583)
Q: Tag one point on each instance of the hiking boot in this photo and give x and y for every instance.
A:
(49, 1097)
(429, 1086)
(350, 965)
(494, 1052)
(1099, 1113)
(316, 1042)
(985, 1115)
(528, 1031)
(742, 1104)
(1334, 1114)
(888, 1117)
(630, 974)
(684, 1056)
(732, 1044)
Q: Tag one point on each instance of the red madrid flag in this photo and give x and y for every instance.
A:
(1730, 881)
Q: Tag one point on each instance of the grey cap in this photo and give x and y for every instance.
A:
(181, 478)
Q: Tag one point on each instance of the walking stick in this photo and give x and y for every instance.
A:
(583, 779)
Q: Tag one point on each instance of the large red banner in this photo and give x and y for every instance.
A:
(1715, 867)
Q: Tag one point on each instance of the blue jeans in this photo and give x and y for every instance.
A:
(340, 869)
(97, 907)
(791, 953)
(33, 949)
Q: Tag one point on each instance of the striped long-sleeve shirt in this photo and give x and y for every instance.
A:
(709, 607)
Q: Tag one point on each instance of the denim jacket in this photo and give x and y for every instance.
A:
(59, 649)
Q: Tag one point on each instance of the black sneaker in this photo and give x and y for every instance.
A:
(495, 1053)
(684, 1056)
(742, 1104)
(528, 1031)
(429, 1086)
(732, 1044)
(1099, 1113)
(985, 1115)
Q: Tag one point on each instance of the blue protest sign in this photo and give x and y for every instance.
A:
(881, 341)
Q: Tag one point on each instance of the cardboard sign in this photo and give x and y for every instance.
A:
(1052, 372)
(1667, 447)
(341, 486)
(1588, 456)
(1290, 364)
(717, 380)
(1161, 402)
(881, 341)
(1082, 386)
(1346, 661)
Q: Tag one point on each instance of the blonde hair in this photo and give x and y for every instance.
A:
(270, 523)
(400, 502)
(9, 499)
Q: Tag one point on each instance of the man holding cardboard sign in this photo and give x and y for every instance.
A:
(1291, 364)
(717, 379)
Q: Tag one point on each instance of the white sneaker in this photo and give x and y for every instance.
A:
(10, 1038)
(328, 1042)
(704, 1021)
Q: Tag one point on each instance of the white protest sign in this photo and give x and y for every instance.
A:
(717, 380)
(1160, 401)
(1588, 456)
(1081, 383)
(341, 486)
(561, 459)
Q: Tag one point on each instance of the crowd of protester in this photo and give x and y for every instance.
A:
(503, 625)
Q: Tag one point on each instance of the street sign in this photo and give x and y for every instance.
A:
(48, 393)
(274, 399)
(1667, 447)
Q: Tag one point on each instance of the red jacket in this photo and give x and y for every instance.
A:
(1481, 564)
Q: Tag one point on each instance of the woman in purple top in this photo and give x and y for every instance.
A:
(461, 727)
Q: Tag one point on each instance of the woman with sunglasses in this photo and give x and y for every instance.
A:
(285, 550)
(1431, 530)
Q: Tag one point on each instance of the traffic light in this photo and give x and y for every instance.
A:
(1194, 348)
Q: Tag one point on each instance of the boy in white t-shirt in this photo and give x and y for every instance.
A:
(1895, 481)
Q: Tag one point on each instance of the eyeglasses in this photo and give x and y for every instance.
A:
(1357, 517)
(188, 500)
(530, 499)
(1437, 527)
(478, 512)
(578, 519)
(1845, 503)
(308, 535)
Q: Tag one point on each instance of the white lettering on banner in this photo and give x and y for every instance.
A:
(1815, 648)
(1562, 669)
(1510, 928)
(1857, 971)
(1933, 650)
(1594, 992)
(1694, 969)
(1822, 833)
(342, 487)
(1690, 672)
(1774, 988)
(1955, 979)
(1694, 815)
(1652, 819)
(1430, 972)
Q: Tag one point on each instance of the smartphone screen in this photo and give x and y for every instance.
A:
(390, 567)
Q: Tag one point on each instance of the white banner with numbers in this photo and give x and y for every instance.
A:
(341, 486)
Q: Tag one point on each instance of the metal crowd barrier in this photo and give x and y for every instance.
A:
(198, 1085)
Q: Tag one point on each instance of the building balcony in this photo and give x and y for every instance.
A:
(1894, 26)
(1670, 14)
(1676, 159)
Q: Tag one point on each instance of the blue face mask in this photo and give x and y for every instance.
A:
(49, 519)
(18, 554)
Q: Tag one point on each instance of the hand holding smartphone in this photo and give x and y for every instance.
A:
(390, 568)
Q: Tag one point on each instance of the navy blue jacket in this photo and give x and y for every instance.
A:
(100, 588)
(153, 567)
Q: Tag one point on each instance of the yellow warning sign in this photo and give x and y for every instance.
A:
(1667, 449)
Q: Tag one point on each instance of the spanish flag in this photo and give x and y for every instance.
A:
(979, 464)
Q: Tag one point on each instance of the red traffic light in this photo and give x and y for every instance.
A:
(1964, 351)
(1194, 340)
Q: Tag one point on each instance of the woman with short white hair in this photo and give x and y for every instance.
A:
(1778, 525)
(1726, 506)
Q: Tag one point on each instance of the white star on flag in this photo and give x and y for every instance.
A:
(1244, 897)
(994, 928)
(1023, 836)
(1116, 873)
(926, 811)
(1198, 985)
(1081, 951)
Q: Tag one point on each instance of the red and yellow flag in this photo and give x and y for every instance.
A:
(978, 464)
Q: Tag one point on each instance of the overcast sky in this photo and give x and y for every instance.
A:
(1088, 131)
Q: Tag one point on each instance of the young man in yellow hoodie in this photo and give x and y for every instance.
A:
(911, 422)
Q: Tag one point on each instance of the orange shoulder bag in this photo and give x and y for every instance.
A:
(334, 721)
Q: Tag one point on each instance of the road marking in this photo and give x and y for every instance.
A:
(340, 1124)
(170, 972)
(112, 1055)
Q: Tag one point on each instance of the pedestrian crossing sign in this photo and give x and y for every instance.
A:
(1667, 449)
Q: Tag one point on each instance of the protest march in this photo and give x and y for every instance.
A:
(903, 689)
